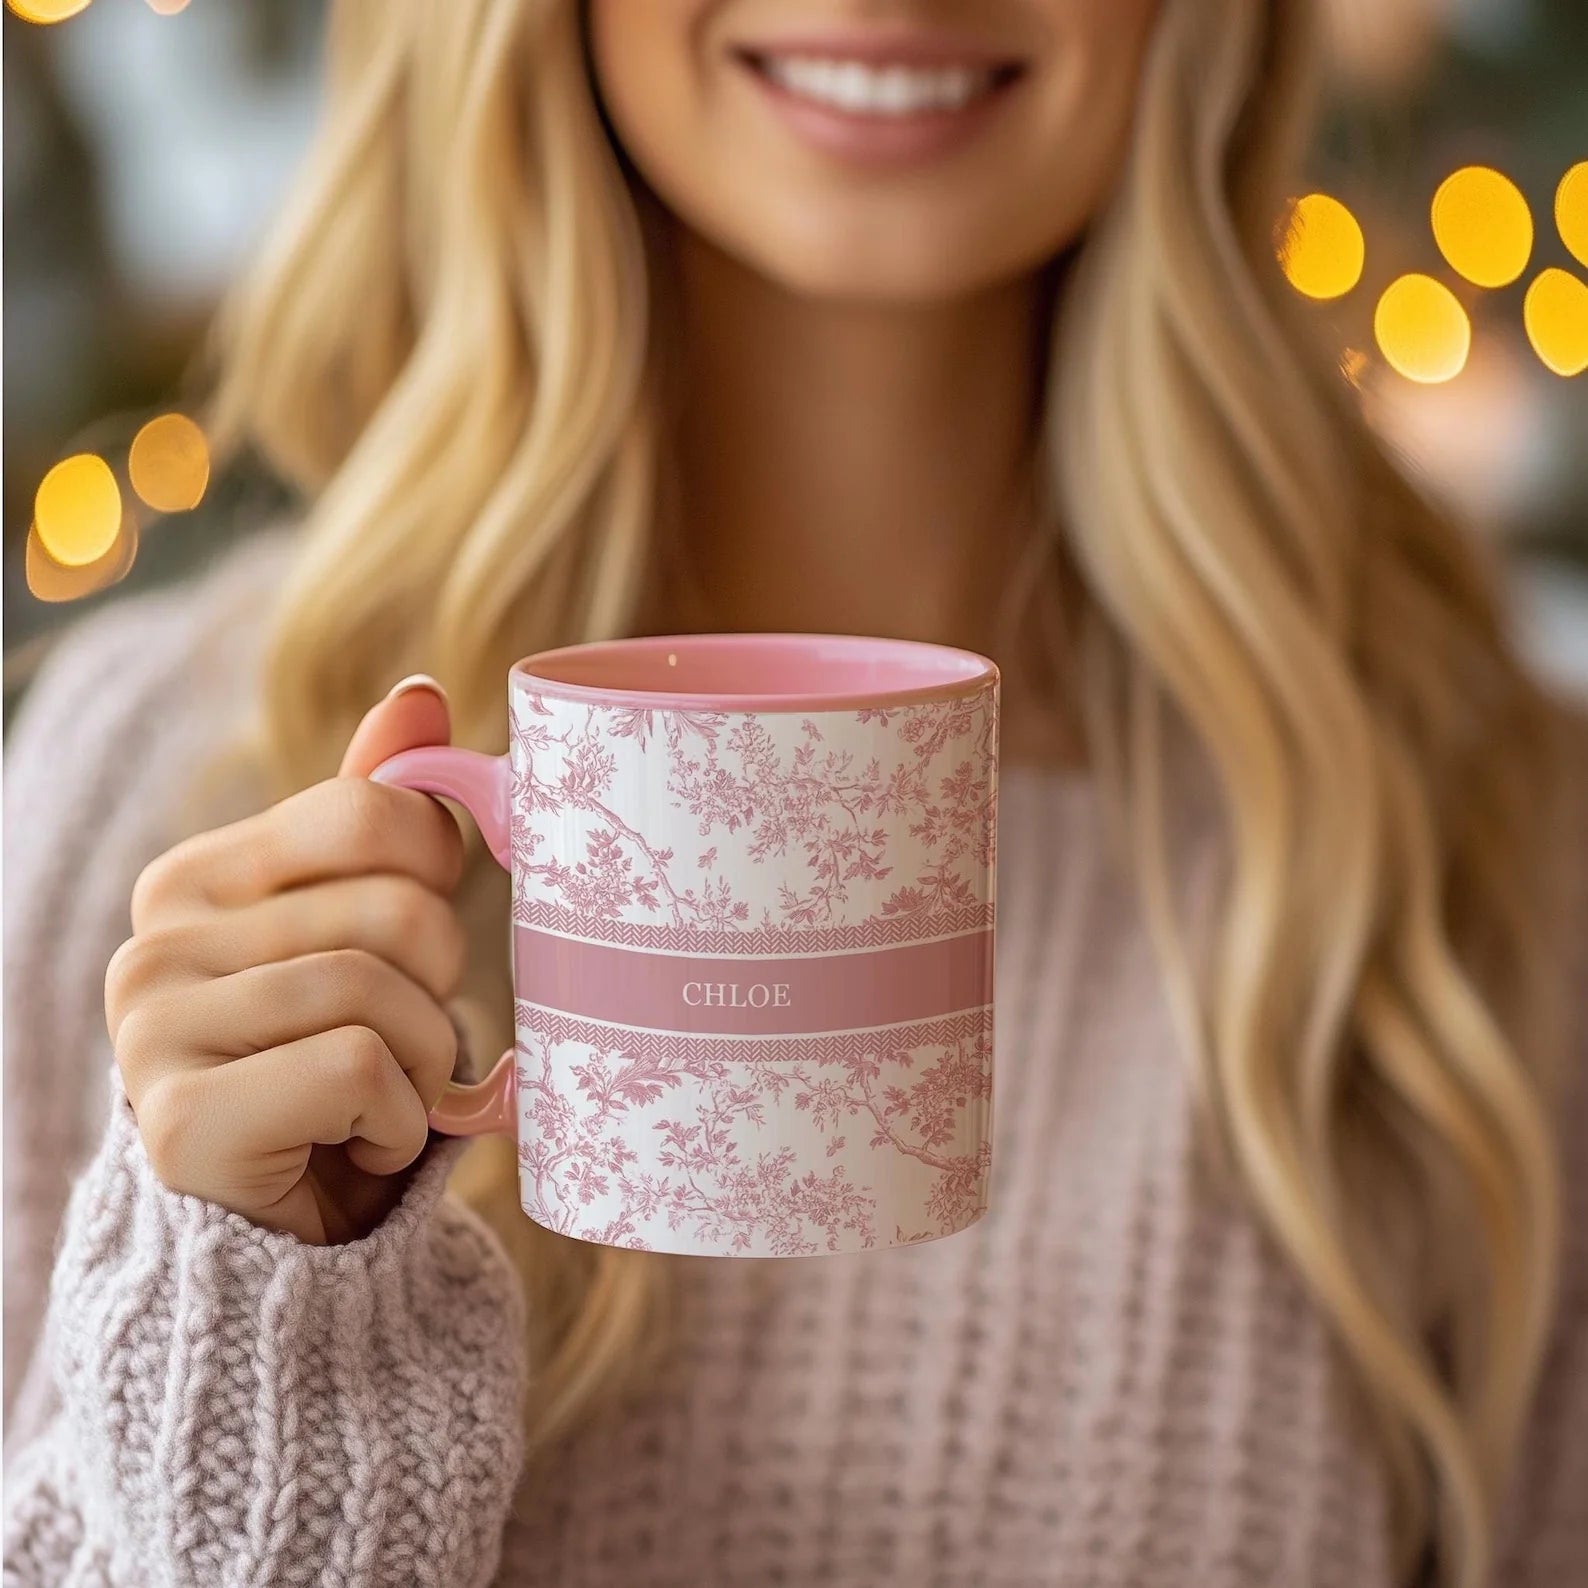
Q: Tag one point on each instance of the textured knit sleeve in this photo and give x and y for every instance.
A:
(210, 1403)
(237, 1406)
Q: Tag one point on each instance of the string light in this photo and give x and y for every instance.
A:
(82, 537)
(1483, 226)
(47, 11)
(169, 464)
(1321, 249)
(1422, 331)
(77, 510)
(1571, 210)
(1555, 312)
(49, 580)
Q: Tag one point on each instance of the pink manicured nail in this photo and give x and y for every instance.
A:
(415, 681)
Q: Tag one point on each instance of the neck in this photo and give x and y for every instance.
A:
(853, 467)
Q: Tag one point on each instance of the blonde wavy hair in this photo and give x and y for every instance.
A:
(447, 345)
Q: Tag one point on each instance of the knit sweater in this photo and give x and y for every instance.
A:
(1113, 1379)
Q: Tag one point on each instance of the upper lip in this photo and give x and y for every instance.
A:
(915, 47)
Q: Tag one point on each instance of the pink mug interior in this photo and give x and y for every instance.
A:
(757, 672)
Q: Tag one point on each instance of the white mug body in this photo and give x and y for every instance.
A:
(753, 962)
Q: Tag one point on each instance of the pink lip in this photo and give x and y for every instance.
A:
(881, 140)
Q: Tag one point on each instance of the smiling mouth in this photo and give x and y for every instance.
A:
(880, 89)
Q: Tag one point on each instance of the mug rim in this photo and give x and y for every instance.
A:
(980, 673)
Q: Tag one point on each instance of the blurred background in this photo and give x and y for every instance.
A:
(1440, 240)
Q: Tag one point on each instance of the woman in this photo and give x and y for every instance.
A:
(945, 320)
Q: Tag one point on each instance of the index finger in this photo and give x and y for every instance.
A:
(343, 827)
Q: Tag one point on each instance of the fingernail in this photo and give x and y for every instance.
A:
(415, 681)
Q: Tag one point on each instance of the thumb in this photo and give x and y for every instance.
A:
(412, 714)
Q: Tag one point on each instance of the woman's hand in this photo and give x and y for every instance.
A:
(277, 1014)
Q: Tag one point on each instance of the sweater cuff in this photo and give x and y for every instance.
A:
(234, 1394)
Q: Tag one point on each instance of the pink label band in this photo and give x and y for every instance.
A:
(727, 996)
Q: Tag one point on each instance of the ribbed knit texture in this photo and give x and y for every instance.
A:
(1112, 1380)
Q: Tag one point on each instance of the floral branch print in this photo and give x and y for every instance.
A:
(929, 728)
(624, 1080)
(827, 822)
(935, 889)
(584, 1174)
(639, 722)
(815, 802)
(658, 858)
(606, 880)
(941, 1093)
(530, 794)
(886, 1135)
(936, 1103)
(576, 1158)
(600, 884)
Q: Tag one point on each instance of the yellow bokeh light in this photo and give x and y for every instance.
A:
(1320, 247)
(78, 510)
(47, 10)
(49, 580)
(1555, 312)
(1571, 210)
(1483, 226)
(169, 463)
(1422, 331)
(168, 8)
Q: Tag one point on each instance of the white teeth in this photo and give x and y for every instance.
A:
(876, 91)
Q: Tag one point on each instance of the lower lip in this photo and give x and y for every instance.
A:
(917, 136)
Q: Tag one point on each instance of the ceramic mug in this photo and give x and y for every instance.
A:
(753, 899)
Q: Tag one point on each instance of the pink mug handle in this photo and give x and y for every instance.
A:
(483, 785)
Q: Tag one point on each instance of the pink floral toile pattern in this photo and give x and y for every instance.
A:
(681, 1144)
(743, 834)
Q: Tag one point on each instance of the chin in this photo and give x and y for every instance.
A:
(878, 283)
(930, 261)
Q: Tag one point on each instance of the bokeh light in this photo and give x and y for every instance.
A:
(1571, 210)
(1483, 226)
(1422, 331)
(1321, 249)
(47, 10)
(1555, 312)
(77, 511)
(167, 8)
(169, 464)
(51, 581)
